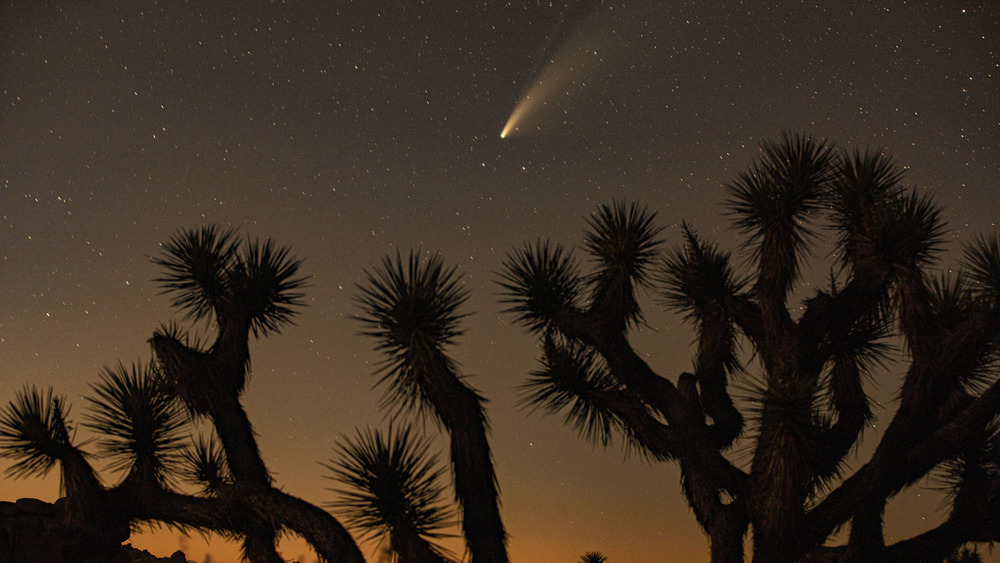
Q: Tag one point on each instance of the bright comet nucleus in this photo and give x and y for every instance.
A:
(517, 114)
(576, 54)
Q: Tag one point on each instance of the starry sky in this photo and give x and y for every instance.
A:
(347, 130)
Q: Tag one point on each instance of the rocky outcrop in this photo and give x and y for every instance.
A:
(129, 554)
(32, 531)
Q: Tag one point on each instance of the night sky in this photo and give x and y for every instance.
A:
(347, 130)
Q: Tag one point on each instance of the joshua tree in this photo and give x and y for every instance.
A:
(807, 360)
(245, 287)
(35, 431)
(593, 557)
(411, 308)
(140, 428)
(393, 493)
(965, 555)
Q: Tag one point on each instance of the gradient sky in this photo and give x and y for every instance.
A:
(346, 130)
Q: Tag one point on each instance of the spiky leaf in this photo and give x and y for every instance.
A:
(539, 283)
(34, 432)
(391, 489)
(623, 241)
(411, 308)
(196, 264)
(139, 424)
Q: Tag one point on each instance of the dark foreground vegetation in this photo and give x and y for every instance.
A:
(800, 359)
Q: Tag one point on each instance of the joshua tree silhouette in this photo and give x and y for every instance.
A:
(245, 287)
(806, 362)
(393, 493)
(412, 309)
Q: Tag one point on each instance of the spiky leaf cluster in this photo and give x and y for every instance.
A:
(697, 279)
(196, 264)
(883, 229)
(777, 201)
(267, 282)
(972, 480)
(574, 379)
(216, 274)
(539, 283)
(593, 557)
(411, 308)
(139, 424)
(959, 304)
(623, 242)
(203, 463)
(391, 487)
(34, 432)
(982, 257)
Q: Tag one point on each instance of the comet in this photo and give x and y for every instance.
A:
(566, 54)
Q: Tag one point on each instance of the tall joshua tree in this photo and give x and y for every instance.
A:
(252, 288)
(412, 308)
(809, 359)
(245, 287)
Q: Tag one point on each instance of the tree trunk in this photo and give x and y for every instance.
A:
(460, 410)
(239, 442)
(475, 483)
(726, 544)
(323, 532)
(777, 498)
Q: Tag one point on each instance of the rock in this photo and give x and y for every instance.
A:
(33, 531)
(34, 506)
(129, 554)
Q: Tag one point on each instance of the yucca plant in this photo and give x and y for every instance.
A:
(36, 433)
(391, 492)
(140, 437)
(593, 557)
(139, 413)
(802, 362)
(412, 309)
(245, 287)
(141, 428)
